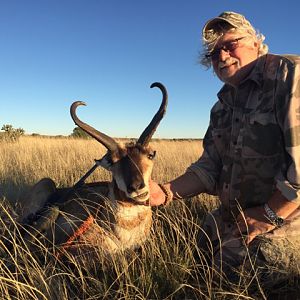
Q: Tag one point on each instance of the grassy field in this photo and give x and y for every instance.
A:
(165, 267)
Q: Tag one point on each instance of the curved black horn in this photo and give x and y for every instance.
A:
(147, 134)
(102, 138)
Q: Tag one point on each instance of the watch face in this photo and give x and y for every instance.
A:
(279, 222)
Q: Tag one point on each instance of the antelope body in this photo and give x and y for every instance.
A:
(119, 211)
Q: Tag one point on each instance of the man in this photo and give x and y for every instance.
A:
(251, 156)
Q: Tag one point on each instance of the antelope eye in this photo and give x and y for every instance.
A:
(152, 155)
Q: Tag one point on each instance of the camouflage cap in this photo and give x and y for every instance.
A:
(234, 19)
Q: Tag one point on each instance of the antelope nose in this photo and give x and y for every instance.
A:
(135, 187)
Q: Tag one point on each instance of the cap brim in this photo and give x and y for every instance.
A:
(212, 22)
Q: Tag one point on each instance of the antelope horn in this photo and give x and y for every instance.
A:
(102, 138)
(147, 134)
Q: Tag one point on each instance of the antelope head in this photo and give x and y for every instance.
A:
(131, 164)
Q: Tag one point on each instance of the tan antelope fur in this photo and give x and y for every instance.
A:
(121, 216)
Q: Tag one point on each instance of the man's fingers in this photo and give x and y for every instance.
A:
(250, 238)
(252, 235)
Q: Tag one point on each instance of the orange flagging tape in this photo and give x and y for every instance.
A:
(80, 231)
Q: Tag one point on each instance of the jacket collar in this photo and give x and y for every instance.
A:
(227, 92)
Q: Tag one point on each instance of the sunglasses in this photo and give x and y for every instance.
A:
(229, 46)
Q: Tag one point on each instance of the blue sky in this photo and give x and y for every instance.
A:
(107, 53)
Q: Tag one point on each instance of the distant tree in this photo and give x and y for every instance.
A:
(35, 134)
(11, 134)
(79, 133)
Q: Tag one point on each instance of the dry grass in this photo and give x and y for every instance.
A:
(164, 268)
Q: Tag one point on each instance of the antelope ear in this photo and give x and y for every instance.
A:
(105, 162)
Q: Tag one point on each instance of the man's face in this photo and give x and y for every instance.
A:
(234, 57)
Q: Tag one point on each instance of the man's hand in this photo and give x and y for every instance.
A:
(253, 222)
(157, 196)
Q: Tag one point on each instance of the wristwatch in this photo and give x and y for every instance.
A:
(273, 217)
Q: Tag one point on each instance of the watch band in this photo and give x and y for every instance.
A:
(272, 216)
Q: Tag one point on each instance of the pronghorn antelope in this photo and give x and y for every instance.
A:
(110, 215)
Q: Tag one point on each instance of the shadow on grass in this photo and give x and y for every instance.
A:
(13, 191)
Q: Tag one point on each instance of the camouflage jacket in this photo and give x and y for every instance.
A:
(252, 145)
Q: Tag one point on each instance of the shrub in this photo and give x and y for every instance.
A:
(79, 133)
(11, 134)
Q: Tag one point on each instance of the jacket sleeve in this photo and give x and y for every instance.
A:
(208, 166)
(287, 105)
